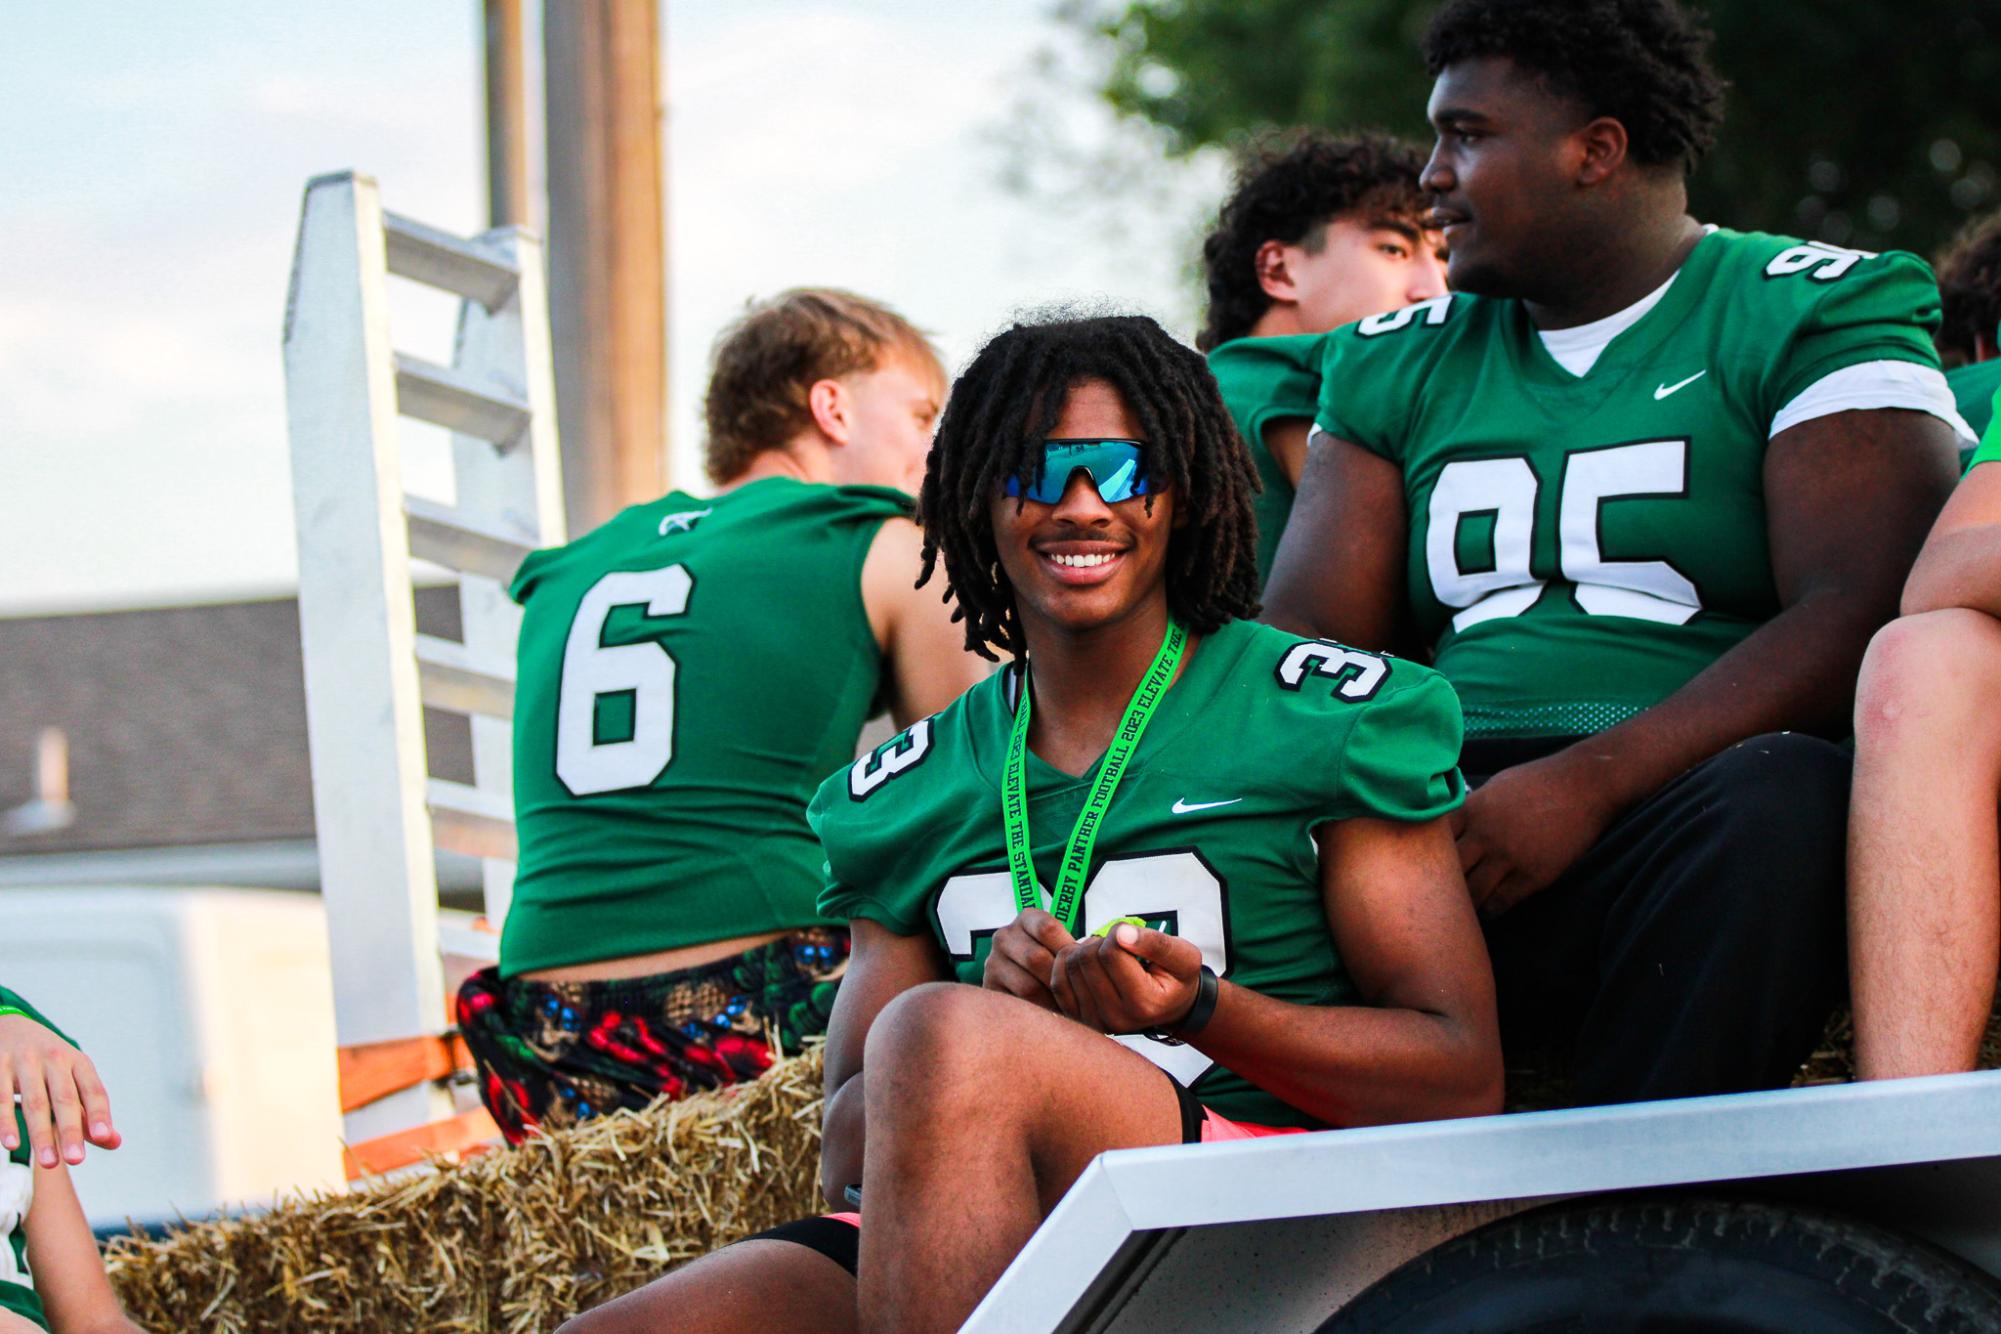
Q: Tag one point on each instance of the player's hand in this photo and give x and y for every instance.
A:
(62, 1099)
(1526, 826)
(1136, 978)
(1024, 951)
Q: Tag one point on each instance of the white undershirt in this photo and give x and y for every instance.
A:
(1576, 349)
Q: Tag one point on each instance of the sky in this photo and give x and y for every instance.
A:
(155, 158)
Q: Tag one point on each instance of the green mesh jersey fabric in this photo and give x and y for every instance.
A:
(17, 1189)
(1581, 546)
(687, 675)
(1265, 380)
(1974, 389)
(1263, 737)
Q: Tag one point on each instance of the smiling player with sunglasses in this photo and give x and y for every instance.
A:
(1220, 843)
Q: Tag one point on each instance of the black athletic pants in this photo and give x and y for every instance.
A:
(1700, 944)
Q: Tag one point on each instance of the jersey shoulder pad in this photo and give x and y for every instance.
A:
(1821, 307)
(1373, 371)
(1817, 282)
(878, 818)
(1388, 729)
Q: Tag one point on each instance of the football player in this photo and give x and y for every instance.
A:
(1224, 844)
(1924, 893)
(51, 1277)
(1318, 233)
(1969, 285)
(1644, 488)
(688, 673)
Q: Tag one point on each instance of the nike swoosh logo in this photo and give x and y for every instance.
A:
(1182, 806)
(1664, 390)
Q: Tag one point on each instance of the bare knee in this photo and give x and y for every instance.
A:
(1929, 676)
(944, 1045)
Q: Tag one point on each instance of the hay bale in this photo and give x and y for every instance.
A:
(516, 1239)
(1833, 1060)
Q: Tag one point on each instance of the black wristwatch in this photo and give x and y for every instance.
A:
(1198, 1016)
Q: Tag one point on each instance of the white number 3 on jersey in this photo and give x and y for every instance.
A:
(1360, 675)
(1178, 886)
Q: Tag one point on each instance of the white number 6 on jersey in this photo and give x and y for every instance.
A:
(591, 668)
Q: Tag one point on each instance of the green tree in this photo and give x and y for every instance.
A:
(1853, 121)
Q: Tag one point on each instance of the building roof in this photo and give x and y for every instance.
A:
(186, 725)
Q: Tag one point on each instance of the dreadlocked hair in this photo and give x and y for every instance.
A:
(1006, 404)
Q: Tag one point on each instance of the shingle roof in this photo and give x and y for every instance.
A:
(186, 725)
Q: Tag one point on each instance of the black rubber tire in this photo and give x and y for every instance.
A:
(1665, 1263)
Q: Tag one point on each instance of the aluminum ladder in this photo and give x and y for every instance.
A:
(379, 813)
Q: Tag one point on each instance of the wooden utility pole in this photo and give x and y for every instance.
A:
(506, 116)
(607, 251)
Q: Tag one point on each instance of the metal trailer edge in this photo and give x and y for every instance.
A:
(1278, 1233)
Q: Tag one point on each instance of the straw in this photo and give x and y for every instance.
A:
(514, 1239)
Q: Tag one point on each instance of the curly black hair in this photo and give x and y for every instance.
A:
(1645, 63)
(1969, 287)
(1008, 401)
(1288, 188)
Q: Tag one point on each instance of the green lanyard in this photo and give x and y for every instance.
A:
(1014, 787)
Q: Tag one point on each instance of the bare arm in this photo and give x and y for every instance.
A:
(1339, 569)
(929, 666)
(882, 967)
(1848, 498)
(1286, 439)
(1425, 1046)
(1960, 565)
(62, 1255)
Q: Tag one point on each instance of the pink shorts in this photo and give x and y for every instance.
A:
(1221, 1129)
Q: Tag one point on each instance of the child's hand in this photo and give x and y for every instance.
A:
(62, 1099)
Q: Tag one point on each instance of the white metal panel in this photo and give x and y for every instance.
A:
(358, 632)
(1785, 1133)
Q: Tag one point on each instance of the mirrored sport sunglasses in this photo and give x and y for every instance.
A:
(1117, 469)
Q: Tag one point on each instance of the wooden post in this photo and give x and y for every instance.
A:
(506, 117)
(607, 252)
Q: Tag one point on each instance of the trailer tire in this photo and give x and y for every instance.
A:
(1673, 1262)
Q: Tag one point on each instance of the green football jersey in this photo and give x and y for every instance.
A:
(17, 1192)
(1990, 443)
(688, 673)
(1263, 737)
(1581, 546)
(1265, 380)
(1974, 389)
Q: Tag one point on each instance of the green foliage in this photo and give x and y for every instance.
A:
(1854, 121)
